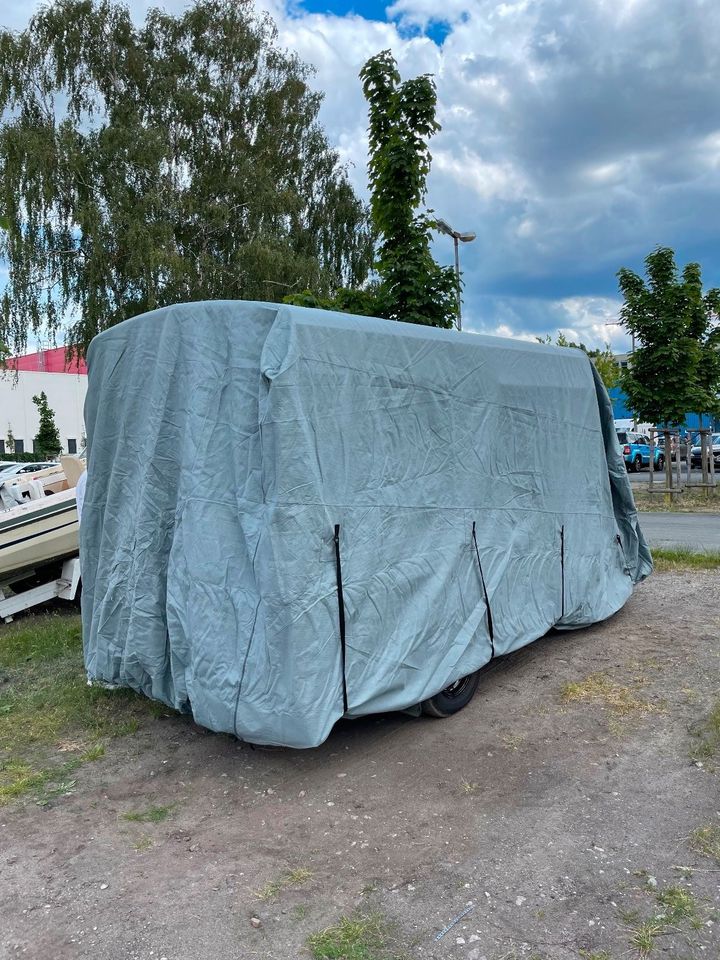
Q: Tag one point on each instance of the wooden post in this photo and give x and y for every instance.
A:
(703, 457)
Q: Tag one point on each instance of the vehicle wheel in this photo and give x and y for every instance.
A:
(452, 698)
(637, 464)
(660, 462)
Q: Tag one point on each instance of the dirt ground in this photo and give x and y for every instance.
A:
(560, 809)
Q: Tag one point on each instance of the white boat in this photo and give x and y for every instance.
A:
(36, 532)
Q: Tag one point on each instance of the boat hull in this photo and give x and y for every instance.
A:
(38, 532)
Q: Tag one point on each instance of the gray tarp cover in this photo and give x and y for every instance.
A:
(227, 440)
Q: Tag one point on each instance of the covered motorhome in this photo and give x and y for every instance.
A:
(294, 515)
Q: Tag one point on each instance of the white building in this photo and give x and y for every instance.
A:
(65, 388)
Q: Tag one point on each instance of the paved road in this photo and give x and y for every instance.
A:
(698, 530)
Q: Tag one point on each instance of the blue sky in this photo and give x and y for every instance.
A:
(577, 135)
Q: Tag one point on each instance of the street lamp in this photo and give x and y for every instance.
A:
(619, 323)
(444, 227)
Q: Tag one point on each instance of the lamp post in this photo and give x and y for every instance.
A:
(619, 323)
(444, 227)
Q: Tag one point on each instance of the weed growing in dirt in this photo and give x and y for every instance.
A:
(293, 878)
(677, 906)
(601, 689)
(143, 843)
(677, 903)
(708, 736)
(601, 955)
(151, 815)
(513, 741)
(685, 558)
(643, 937)
(47, 708)
(706, 841)
(467, 787)
(359, 938)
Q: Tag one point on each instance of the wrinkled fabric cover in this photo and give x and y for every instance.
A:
(228, 439)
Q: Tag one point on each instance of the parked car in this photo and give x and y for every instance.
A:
(636, 451)
(685, 444)
(17, 469)
(696, 452)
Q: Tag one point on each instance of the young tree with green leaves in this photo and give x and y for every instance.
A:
(675, 366)
(409, 284)
(47, 439)
(146, 165)
(414, 288)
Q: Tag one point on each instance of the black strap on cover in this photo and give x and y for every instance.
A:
(341, 612)
(485, 594)
(562, 572)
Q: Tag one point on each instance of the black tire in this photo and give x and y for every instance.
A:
(452, 698)
(637, 463)
(660, 463)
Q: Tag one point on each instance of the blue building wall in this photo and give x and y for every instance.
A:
(621, 411)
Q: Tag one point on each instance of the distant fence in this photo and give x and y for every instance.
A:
(676, 477)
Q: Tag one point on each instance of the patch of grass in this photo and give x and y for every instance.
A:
(293, 878)
(467, 787)
(690, 501)
(268, 892)
(47, 708)
(358, 938)
(601, 689)
(685, 558)
(706, 841)
(513, 741)
(151, 815)
(143, 843)
(678, 906)
(643, 938)
(597, 955)
(677, 903)
(708, 736)
(299, 912)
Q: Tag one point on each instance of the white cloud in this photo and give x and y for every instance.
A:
(577, 135)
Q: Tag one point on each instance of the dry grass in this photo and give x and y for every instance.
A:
(469, 787)
(690, 501)
(600, 689)
(707, 735)
(706, 841)
(293, 878)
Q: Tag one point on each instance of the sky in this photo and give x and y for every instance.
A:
(577, 135)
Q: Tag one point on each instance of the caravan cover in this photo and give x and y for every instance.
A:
(292, 514)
